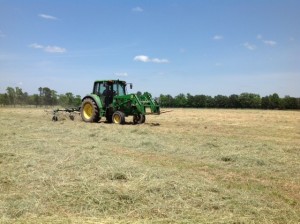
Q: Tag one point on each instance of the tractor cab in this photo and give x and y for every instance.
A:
(107, 89)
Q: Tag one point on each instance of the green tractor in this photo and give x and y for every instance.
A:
(110, 99)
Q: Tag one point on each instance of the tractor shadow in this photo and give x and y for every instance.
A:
(153, 124)
(131, 123)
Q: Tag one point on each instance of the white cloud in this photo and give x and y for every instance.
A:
(217, 37)
(271, 43)
(36, 46)
(55, 49)
(249, 46)
(44, 16)
(157, 60)
(49, 49)
(121, 74)
(137, 9)
(144, 58)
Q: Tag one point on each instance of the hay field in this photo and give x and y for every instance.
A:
(186, 166)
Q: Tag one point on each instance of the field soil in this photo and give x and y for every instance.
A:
(185, 166)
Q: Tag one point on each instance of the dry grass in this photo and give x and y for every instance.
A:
(187, 166)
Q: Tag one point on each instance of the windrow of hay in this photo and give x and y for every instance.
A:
(186, 166)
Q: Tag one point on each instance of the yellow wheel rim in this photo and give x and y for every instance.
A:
(117, 119)
(88, 111)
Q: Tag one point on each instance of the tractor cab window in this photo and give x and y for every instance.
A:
(102, 88)
(99, 88)
(119, 89)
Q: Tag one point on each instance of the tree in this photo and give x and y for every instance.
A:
(290, 103)
(40, 96)
(54, 100)
(25, 98)
(210, 102)
(77, 101)
(166, 100)
(68, 100)
(47, 96)
(221, 101)
(265, 102)
(21, 97)
(11, 95)
(180, 100)
(63, 100)
(233, 101)
(249, 100)
(4, 99)
(274, 101)
(200, 101)
(190, 100)
(35, 99)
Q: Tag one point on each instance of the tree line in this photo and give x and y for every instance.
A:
(45, 97)
(49, 97)
(244, 100)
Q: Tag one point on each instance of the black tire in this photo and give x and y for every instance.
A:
(118, 117)
(139, 119)
(89, 111)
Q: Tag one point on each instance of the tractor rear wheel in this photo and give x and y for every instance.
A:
(89, 111)
(139, 119)
(118, 117)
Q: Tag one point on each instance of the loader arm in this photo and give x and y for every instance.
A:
(148, 102)
(133, 104)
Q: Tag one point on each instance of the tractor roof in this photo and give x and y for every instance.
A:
(112, 81)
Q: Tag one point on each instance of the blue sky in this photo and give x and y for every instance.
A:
(206, 47)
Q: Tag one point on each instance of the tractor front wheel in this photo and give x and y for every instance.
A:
(139, 119)
(118, 117)
(89, 111)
